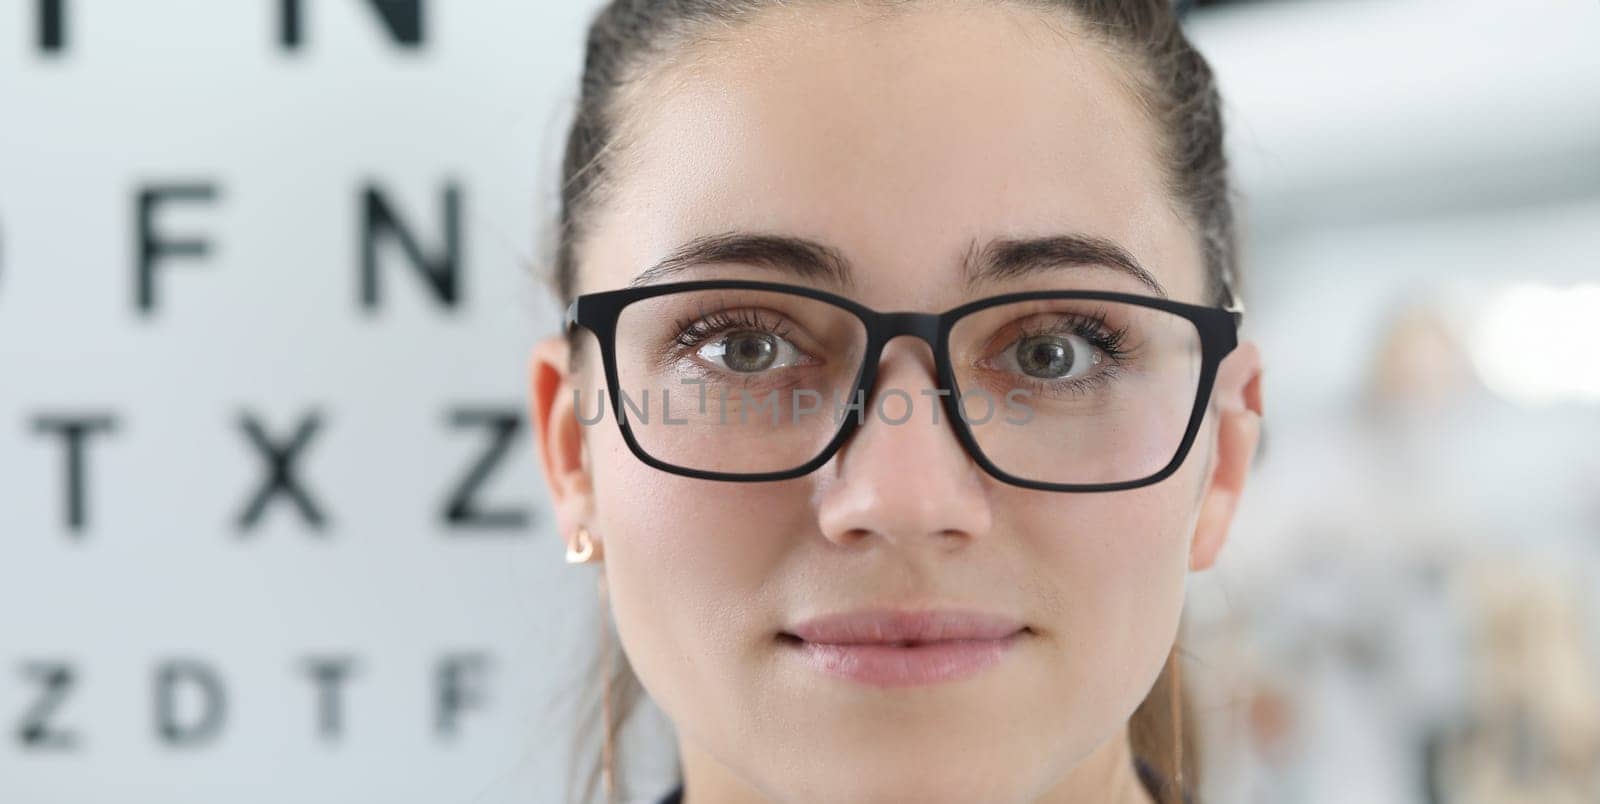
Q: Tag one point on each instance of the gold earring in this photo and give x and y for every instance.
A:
(583, 550)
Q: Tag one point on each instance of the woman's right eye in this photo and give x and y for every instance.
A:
(750, 351)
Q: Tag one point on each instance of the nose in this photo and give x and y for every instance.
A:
(902, 476)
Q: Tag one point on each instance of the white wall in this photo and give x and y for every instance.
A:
(270, 324)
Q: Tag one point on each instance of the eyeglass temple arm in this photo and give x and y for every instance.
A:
(1235, 305)
(570, 320)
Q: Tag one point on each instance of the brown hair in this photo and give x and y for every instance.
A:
(1173, 86)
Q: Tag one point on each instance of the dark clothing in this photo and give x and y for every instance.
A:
(1152, 782)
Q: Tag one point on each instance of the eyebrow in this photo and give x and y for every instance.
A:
(999, 259)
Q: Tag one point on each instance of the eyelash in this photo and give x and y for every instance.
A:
(694, 332)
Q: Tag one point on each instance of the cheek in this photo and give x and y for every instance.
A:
(688, 565)
(1111, 581)
(1117, 558)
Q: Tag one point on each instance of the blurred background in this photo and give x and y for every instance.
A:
(270, 524)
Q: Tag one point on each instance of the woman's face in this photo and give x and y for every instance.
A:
(900, 140)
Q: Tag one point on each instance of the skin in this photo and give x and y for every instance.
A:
(897, 138)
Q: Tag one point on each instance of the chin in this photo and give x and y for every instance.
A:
(926, 780)
(917, 760)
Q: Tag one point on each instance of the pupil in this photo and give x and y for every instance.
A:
(1045, 357)
(749, 352)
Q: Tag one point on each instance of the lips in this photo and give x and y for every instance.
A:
(880, 626)
(899, 648)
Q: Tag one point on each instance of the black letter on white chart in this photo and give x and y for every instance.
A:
(36, 732)
(455, 689)
(152, 248)
(328, 673)
(280, 478)
(74, 431)
(403, 19)
(52, 26)
(169, 677)
(441, 270)
(462, 510)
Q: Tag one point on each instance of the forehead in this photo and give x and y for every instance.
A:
(899, 139)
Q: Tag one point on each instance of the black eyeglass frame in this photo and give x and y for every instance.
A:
(1217, 328)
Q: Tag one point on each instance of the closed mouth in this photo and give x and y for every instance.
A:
(888, 650)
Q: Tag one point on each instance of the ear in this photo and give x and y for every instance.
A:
(1238, 430)
(562, 452)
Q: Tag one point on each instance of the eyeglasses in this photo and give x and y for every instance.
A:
(1058, 390)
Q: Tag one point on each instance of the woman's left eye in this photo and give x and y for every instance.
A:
(747, 352)
(1051, 356)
